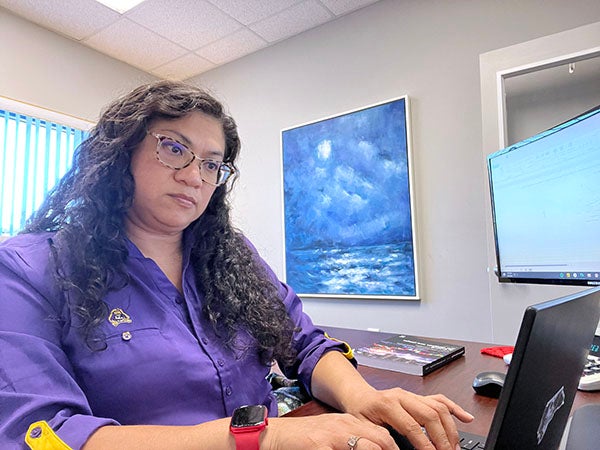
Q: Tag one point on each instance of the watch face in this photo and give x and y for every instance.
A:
(247, 416)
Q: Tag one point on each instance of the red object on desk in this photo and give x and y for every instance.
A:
(498, 351)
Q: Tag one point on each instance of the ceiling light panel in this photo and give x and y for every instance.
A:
(121, 6)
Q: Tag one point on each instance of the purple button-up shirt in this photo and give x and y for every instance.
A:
(163, 363)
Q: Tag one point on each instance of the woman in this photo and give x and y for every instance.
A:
(133, 315)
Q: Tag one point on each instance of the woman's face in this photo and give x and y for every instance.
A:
(166, 201)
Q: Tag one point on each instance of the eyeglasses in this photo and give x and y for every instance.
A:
(177, 156)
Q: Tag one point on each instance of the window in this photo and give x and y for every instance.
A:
(34, 154)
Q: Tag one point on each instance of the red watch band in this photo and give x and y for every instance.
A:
(247, 440)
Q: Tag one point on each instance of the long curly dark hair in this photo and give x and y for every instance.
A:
(87, 210)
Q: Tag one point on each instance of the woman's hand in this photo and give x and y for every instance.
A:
(338, 384)
(426, 421)
(325, 432)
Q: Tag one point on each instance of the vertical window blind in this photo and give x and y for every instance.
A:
(34, 155)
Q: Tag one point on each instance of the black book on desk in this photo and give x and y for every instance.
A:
(408, 354)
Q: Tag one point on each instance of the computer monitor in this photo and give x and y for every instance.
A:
(545, 196)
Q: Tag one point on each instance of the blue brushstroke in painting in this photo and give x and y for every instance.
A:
(347, 204)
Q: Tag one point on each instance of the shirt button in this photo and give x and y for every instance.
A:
(126, 336)
(35, 432)
(205, 341)
(220, 362)
(228, 390)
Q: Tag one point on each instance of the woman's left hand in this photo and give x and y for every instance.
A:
(426, 421)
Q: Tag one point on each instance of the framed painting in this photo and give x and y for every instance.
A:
(348, 205)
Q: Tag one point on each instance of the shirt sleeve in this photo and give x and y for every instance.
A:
(310, 341)
(38, 390)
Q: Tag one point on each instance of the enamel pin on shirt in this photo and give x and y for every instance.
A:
(117, 316)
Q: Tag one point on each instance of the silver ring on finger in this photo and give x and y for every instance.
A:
(353, 441)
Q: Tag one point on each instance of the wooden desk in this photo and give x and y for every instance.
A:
(453, 380)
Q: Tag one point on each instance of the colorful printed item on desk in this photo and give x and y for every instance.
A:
(408, 354)
(117, 316)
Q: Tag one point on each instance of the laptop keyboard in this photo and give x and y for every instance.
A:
(470, 441)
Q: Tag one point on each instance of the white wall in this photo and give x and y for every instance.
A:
(430, 51)
(47, 70)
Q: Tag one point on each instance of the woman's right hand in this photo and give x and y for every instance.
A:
(325, 432)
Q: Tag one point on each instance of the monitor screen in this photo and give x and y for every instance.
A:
(545, 193)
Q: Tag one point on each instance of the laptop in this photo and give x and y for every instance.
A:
(542, 379)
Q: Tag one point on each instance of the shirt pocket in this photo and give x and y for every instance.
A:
(135, 362)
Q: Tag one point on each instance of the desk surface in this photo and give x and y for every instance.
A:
(453, 380)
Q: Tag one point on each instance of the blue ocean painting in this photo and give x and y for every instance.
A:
(347, 205)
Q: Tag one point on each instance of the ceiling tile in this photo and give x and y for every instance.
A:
(250, 11)
(134, 44)
(189, 23)
(339, 7)
(294, 20)
(76, 19)
(162, 36)
(234, 46)
(182, 68)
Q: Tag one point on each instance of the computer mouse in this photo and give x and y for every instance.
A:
(489, 384)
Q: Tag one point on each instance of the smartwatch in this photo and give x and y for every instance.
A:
(247, 423)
